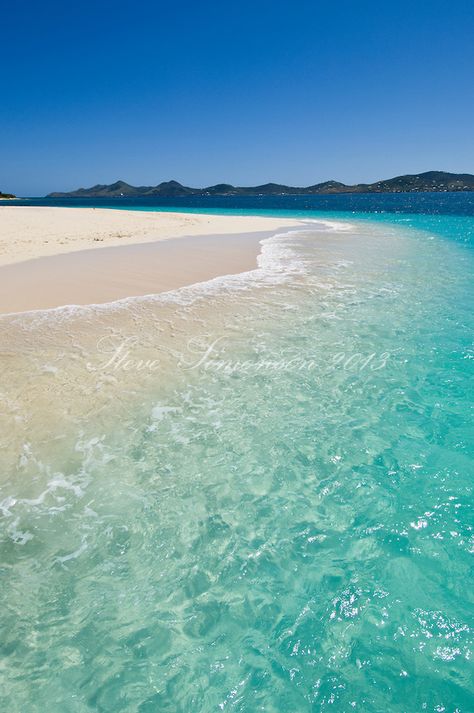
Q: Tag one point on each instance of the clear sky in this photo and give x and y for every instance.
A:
(241, 91)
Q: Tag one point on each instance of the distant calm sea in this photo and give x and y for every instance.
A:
(274, 516)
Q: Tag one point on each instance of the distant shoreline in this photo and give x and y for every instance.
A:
(432, 181)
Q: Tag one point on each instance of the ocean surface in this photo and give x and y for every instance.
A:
(253, 494)
(461, 203)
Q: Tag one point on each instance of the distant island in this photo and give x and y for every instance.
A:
(438, 181)
(6, 196)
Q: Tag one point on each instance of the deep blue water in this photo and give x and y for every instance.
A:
(429, 203)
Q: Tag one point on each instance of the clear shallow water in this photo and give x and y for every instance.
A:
(286, 523)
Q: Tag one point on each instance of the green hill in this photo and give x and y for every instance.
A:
(438, 181)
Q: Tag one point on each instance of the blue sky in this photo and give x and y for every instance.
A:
(243, 92)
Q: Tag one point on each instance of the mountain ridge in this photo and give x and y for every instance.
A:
(437, 181)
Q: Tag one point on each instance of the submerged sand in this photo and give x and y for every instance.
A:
(60, 391)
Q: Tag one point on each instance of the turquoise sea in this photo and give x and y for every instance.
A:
(275, 515)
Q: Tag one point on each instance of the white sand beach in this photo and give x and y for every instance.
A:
(56, 256)
(31, 232)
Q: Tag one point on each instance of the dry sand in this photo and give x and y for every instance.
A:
(31, 232)
(56, 256)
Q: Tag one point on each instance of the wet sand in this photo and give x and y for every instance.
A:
(101, 276)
